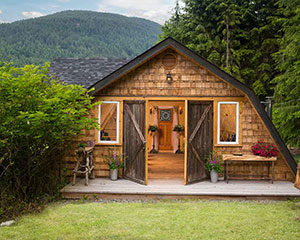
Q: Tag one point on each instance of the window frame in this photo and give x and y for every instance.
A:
(117, 123)
(237, 124)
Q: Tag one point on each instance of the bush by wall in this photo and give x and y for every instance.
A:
(39, 118)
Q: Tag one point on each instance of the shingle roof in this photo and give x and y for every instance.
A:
(85, 71)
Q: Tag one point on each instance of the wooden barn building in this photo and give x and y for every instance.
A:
(165, 86)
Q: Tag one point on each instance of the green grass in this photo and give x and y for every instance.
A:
(160, 220)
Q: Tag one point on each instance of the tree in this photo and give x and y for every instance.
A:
(238, 36)
(287, 91)
(39, 118)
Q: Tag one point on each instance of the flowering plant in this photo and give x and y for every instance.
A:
(213, 162)
(264, 150)
(114, 160)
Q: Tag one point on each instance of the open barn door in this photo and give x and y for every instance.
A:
(134, 141)
(199, 139)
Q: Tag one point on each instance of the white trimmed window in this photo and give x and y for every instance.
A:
(228, 123)
(109, 112)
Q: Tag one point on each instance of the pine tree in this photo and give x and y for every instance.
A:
(287, 92)
(238, 36)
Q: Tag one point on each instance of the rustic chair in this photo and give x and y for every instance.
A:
(84, 164)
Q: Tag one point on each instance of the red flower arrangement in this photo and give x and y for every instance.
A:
(264, 150)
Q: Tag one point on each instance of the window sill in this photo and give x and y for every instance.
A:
(228, 145)
(108, 144)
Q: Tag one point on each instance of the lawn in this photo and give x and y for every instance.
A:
(160, 220)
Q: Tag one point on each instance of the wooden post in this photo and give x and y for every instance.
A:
(185, 137)
(87, 171)
(273, 163)
(226, 169)
(297, 182)
(147, 141)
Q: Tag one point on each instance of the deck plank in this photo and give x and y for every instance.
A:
(176, 187)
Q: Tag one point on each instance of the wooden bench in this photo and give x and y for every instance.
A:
(227, 158)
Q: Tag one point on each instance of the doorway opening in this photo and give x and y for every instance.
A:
(166, 155)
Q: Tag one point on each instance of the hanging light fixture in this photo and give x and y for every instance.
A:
(169, 77)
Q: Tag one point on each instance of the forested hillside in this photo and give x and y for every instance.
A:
(75, 34)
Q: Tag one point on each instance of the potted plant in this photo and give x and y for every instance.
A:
(153, 129)
(265, 150)
(213, 165)
(178, 128)
(115, 162)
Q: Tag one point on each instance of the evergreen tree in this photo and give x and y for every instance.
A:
(287, 92)
(238, 36)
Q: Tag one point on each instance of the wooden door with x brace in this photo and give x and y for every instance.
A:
(134, 141)
(199, 139)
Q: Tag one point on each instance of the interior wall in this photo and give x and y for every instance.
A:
(180, 114)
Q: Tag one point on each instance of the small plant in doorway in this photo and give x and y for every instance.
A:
(114, 161)
(152, 128)
(213, 165)
(178, 128)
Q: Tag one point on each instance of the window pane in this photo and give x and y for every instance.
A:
(108, 122)
(228, 122)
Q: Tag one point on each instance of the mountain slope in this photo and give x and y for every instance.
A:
(75, 34)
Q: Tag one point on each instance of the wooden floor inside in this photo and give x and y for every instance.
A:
(165, 165)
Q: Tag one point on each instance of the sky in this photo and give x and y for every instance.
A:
(155, 10)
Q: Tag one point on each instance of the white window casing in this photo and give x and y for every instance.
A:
(236, 124)
(117, 123)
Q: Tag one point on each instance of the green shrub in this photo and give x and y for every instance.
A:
(39, 118)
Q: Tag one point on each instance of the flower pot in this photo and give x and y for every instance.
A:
(113, 173)
(213, 176)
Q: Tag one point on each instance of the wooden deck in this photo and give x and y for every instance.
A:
(166, 165)
(174, 189)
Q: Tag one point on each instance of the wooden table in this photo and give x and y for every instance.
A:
(227, 158)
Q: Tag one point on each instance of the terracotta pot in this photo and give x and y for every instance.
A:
(113, 173)
(213, 176)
